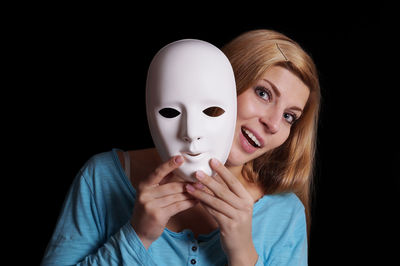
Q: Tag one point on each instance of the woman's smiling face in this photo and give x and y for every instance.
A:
(265, 114)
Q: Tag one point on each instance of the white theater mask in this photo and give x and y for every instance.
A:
(191, 104)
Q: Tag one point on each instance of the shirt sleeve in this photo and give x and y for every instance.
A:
(79, 237)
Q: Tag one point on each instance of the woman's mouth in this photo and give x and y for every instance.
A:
(249, 142)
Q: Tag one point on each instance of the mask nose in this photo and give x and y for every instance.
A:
(190, 139)
(191, 129)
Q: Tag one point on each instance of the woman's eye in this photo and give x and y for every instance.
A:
(290, 118)
(214, 111)
(169, 112)
(263, 92)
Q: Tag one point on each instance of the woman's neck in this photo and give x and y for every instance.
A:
(237, 171)
(254, 189)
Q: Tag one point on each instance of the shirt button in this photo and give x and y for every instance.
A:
(194, 248)
(193, 261)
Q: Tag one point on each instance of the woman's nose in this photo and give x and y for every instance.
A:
(271, 122)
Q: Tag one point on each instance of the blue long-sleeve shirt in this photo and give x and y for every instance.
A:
(93, 227)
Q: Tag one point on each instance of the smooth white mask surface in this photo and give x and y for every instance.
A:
(191, 104)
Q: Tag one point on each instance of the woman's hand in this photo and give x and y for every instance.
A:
(156, 203)
(232, 208)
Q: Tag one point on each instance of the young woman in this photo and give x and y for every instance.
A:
(255, 212)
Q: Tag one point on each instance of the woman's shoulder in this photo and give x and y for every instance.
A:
(142, 163)
(283, 204)
(108, 167)
(102, 177)
(289, 199)
(277, 218)
(103, 161)
(138, 156)
(279, 228)
(101, 165)
(113, 159)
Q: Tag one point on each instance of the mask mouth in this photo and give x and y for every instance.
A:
(193, 156)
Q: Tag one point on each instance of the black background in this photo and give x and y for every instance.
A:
(79, 90)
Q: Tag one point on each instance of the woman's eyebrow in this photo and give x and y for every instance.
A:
(278, 94)
(276, 90)
(295, 108)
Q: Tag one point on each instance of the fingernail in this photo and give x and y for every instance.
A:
(199, 185)
(200, 175)
(178, 159)
(214, 162)
(190, 188)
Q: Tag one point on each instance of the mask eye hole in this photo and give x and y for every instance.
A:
(169, 112)
(214, 111)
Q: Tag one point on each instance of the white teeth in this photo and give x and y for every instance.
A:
(252, 137)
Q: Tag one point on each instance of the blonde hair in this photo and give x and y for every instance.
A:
(289, 167)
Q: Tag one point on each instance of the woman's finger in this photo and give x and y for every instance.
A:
(171, 199)
(220, 180)
(219, 217)
(219, 190)
(229, 179)
(168, 189)
(213, 202)
(164, 169)
(179, 206)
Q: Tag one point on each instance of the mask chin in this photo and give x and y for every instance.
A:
(186, 176)
(188, 170)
